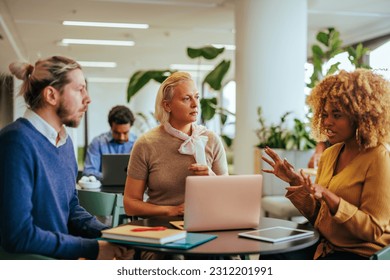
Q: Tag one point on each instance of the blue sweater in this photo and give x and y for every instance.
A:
(39, 208)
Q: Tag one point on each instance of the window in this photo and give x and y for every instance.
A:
(380, 60)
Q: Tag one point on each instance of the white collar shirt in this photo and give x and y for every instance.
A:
(46, 129)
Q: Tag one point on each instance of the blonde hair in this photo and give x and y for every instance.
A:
(46, 72)
(363, 96)
(166, 92)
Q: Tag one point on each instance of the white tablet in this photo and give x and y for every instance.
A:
(277, 234)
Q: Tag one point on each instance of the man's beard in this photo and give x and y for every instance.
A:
(63, 114)
(121, 141)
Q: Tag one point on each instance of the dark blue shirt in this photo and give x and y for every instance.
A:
(104, 144)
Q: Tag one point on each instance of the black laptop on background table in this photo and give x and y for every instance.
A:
(114, 172)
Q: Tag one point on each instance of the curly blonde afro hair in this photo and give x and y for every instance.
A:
(363, 96)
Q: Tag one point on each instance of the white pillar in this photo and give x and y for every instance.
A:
(271, 41)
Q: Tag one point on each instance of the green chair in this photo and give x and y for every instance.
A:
(103, 204)
(18, 256)
(383, 254)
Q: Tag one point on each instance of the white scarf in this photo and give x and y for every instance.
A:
(193, 145)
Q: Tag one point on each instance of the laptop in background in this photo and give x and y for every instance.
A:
(114, 169)
(222, 202)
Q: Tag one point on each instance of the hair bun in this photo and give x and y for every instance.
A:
(21, 70)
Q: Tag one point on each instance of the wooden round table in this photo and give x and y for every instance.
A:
(228, 243)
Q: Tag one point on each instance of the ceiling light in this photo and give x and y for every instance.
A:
(97, 64)
(170, 3)
(107, 80)
(97, 42)
(227, 47)
(191, 67)
(106, 24)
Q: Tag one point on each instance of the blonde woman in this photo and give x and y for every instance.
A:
(162, 158)
(349, 204)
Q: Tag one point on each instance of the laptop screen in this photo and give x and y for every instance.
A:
(114, 169)
(222, 202)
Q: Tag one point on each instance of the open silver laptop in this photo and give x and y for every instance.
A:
(114, 169)
(222, 202)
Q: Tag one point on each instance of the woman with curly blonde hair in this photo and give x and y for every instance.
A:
(349, 204)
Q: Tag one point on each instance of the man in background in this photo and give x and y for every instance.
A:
(119, 140)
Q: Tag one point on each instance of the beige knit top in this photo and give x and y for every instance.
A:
(362, 223)
(156, 160)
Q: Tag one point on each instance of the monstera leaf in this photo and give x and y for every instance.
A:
(141, 78)
(228, 140)
(208, 107)
(207, 52)
(215, 77)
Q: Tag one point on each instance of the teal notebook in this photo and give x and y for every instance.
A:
(192, 240)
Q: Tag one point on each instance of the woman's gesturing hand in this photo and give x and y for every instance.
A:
(281, 168)
(320, 193)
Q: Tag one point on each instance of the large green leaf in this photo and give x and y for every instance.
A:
(359, 50)
(228, 141)
(323, 38)
(207, 52)
(208, 107)
(356, 56)
(317, 51)
(351, 53)
(215, 77)
(333, 68)
(223, 118)
(141, 78)
(335, 43)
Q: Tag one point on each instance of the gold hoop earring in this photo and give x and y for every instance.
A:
(357, 135)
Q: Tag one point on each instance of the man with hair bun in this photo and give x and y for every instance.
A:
(39, 208)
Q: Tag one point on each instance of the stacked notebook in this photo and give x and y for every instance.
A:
(155, 237)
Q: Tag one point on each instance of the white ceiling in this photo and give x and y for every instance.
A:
(31, 29)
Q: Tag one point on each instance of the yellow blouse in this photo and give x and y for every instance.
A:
(362, 222)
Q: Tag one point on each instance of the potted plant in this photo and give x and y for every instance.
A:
(294, 143)
(329, 45)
